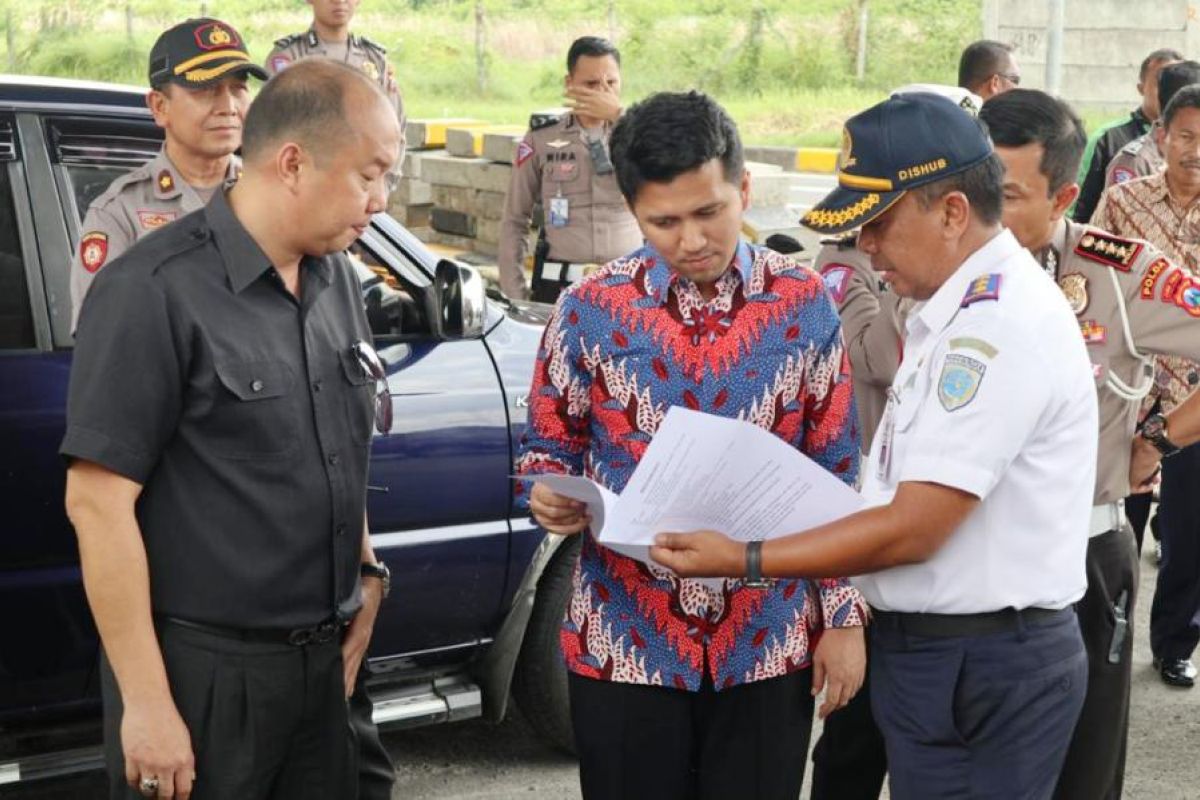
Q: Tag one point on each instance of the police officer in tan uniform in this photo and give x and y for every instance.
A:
(199, 97)
(871, 324)
(329, 36)
(564, 164)
(1143, 156)
(1126, 295)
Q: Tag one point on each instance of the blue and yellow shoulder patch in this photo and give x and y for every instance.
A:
(1104, 248)
(985, 287)
(959, 382)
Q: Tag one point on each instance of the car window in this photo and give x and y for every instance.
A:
(97, 150)
(16, 314)
(392, 306)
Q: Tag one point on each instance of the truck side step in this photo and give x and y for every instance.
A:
(52, 765)
(442, 700)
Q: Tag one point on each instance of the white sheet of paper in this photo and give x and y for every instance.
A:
(707, 472)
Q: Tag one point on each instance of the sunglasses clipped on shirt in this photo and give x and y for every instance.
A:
(372, 366)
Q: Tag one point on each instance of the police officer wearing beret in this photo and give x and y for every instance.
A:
(329, 36)
(972, 548)
(198, 95)
(1115, 288)
(563, 163)
(221, 403)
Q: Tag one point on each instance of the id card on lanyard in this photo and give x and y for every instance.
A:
(560, 212)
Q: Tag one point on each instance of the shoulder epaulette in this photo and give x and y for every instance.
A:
(1104, 248)
(114, 189)
(539, 121)
(288, 41)
(985, 287)
(372, 46)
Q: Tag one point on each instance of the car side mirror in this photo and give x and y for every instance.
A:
(461, 299)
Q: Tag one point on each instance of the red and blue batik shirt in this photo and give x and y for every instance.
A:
(622, 347)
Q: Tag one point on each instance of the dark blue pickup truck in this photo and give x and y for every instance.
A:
(478, 588)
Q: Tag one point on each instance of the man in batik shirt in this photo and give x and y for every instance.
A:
(678, 689)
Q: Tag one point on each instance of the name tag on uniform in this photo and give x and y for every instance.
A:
(887, 433)
(560, 212)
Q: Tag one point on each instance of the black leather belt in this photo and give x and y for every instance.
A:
(322, 632)
(1006, 620)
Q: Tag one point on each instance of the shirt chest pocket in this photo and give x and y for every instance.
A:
(357, 390)
(563, 174)
(253, 415)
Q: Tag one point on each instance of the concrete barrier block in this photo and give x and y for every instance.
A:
(414, 216)
(412, 191)
(782, 157)
(441, 169)
(424, 134)
(410, 167)
(816, 159)
(501, 147)
(455, 222)
(770, 188)
(468, 142)
(487, 230)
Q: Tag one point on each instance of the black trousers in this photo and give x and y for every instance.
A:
(1175, 611)
(376, 775)
(1095, 765)
(668, 744)
(1137, 511)
(984, 716)
(549, 279)
(850, 760)
(266, 720)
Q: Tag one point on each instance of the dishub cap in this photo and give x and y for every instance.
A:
(904, 142)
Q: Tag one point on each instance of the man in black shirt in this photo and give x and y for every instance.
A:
(1110, 140)
(218, 427)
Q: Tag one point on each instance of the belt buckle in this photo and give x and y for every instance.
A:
(325, 632)
(301, 637)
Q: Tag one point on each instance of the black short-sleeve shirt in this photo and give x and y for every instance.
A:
(243, 413)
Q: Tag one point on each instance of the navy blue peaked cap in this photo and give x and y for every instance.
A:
(904, 142)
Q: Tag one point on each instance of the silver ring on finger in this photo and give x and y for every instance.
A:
(148, 787)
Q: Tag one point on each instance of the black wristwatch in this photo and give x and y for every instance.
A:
(754, 577)
(1154, 431)
(379, 571)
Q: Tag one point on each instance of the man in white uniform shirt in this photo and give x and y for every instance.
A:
(980, 480)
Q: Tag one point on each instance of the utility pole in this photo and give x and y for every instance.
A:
(860, 58)
(480, 49)
(1054, 46)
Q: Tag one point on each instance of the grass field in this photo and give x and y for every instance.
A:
(784, 69)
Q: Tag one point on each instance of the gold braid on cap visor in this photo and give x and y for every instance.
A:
(828, 218)
(198, 75)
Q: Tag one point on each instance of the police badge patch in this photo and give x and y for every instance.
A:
(960, 379)
(93, 250)
(1074, 287)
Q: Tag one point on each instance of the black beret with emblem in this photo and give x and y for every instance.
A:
(906, 141)
(198, 52)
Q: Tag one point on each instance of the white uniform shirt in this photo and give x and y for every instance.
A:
(995, 397)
